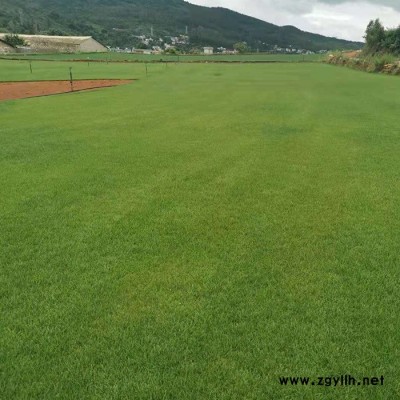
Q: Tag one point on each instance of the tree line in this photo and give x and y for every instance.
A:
(379, 40)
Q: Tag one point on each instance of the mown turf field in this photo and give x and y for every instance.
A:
(256, 57)
(200, 233)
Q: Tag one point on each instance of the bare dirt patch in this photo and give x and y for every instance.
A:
(352, 54)
(21, 90)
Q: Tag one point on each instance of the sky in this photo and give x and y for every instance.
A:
(344, 19)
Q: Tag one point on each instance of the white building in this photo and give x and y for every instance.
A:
(208, 50)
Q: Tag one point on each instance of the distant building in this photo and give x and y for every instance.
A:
(227, 51)
(6, 48)
(168, 46)
(59, 44)
(208, 50)
(142, 51)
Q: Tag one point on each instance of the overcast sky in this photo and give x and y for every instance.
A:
(345, 19)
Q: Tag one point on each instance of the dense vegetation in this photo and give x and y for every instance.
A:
(114, 22)
(381, 40)
(13, 40)
(386, 63)
(380, 54)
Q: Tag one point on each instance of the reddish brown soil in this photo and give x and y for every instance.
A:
(352, 54)
(20, 90)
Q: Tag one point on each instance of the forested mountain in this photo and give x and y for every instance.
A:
(114, 22)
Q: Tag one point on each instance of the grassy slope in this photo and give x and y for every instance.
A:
(20, 70)
(200, 233)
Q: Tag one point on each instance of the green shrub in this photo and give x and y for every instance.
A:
(14, 40)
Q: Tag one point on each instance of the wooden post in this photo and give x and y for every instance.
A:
(71, 82)
(30, 66)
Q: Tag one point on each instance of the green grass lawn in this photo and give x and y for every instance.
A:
(42, 70)
(111, 56)
(199, 233)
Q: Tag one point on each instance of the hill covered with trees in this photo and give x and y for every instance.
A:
(116, 22)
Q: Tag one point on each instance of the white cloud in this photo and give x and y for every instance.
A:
(339, 18)
(347, 20)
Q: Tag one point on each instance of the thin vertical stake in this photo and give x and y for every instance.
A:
(30, 66)
(70, 79)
